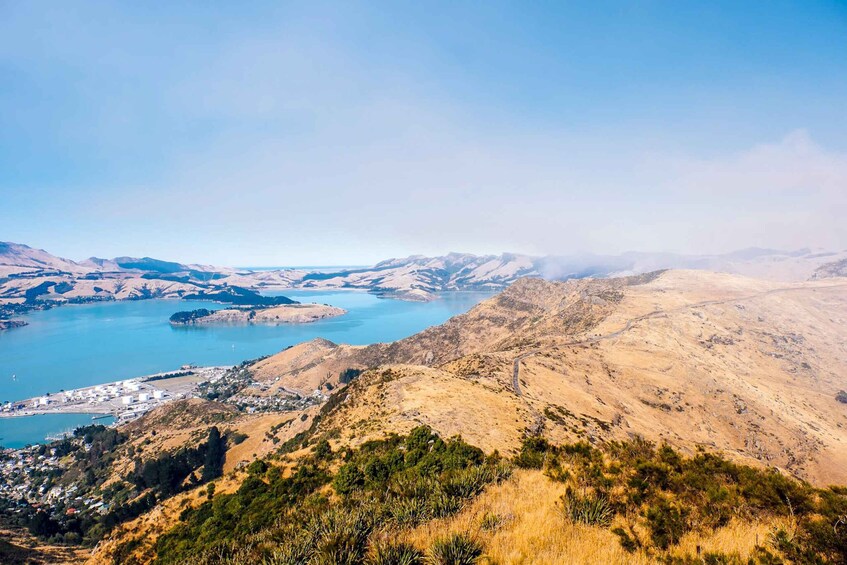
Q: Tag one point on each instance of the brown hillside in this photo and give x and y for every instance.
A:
(747, 367)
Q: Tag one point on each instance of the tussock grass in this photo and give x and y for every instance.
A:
(537, 531)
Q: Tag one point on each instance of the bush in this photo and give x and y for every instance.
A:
(408, 511)
(340, 536)
(322, 450)
(458, 549)
(841, 396)
(395, 554)
(589, 510)
(237, 438)
(348, 479)
(395, 481)
(533, 453)
(666, 523)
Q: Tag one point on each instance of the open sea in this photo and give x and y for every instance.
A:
(82, 345)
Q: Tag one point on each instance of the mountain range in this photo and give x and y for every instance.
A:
(27, 274)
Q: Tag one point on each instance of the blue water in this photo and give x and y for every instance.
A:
(82, 345)
(29, 430)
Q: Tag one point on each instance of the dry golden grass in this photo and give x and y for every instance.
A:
(534, 530)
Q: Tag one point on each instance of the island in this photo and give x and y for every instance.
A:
(272, 315)
(9, 324)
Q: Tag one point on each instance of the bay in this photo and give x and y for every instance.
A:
(29, 430)
(83, 345)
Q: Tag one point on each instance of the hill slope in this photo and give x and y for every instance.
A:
(747, 367)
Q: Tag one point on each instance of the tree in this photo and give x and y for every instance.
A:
(43, 525)
(215, 454)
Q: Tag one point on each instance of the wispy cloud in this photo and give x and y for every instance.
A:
(316, 135)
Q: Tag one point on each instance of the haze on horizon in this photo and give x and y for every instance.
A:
(345, 133)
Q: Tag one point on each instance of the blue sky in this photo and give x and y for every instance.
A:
(316, 133)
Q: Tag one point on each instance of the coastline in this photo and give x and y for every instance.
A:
(11, 324)
(125, 399)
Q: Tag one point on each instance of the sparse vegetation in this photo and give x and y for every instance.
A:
(398, 553)
(396, 482)
(656, 496)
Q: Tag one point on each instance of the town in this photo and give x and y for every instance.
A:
(126, 400)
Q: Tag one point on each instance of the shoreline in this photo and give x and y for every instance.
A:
(125, 399)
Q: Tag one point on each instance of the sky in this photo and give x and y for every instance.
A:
(249, 133)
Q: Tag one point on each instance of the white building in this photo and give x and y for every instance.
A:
(126, 400)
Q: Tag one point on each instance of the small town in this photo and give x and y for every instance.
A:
(26, 473)
(126, 400)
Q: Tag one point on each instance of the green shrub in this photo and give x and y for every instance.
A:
(399, 480)
(589, 510)
(395, 554)
(666, 524)
(408, 511)
(468, 482)
(322, 450)
(441, 505)
(533, 454)
(340, 536)
(348, 479)
(458, 549)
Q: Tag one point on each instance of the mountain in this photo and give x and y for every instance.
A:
(34, 278)
(16, 257)
(833, 269)
(419, 278)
